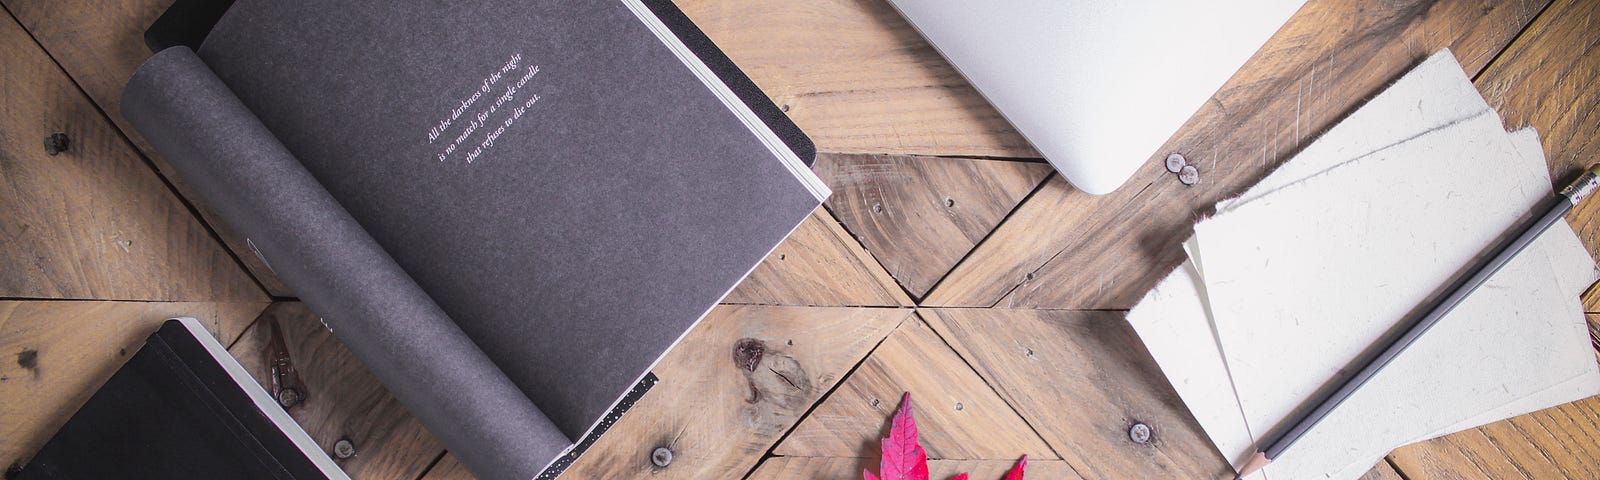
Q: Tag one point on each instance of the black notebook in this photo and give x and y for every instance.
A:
(181, 408)
(508, 210)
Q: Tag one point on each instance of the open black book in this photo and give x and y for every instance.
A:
(508, 210)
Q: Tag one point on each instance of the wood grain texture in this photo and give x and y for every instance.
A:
(1560, 442)
(835, 468)
(1382, 471)
(93, 222)
(55, 354)
(1083, 379)
(919, 215)
(448, 468)
(99, 44)
(819, 264)
(1594, 329)
(958, 415)
(1549, 79)
(1065, 249)
(856, 77)
(1591, 297)
(719, 407)
(343, 399)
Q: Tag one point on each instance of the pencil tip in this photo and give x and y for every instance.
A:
(1256, 462)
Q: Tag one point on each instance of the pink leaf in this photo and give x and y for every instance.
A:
(959, 477)
(1016, 472)
(903, 457)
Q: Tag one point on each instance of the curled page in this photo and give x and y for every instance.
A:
(307, 238)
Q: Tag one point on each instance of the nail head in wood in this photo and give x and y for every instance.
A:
(1176, 162)
(1139, 433)
(289, 397)
(344, 449)
(1189, 175)
(661, 457)
(56, 143)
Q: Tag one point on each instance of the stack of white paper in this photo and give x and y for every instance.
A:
(1289, 283)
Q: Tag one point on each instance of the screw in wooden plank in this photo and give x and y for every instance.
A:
(661, 457)
(344, 449)
(1176, 162)
(1139, 433)
(289, 397)
(1189, 175)
(56, 143)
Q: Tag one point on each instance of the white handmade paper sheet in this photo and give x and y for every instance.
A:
(1435, 104)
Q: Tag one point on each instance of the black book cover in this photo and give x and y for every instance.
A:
(180, 408)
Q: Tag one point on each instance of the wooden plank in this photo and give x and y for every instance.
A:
(1549, 79)
(1560, 442)
(448, 468)
(1591, 297)
(1083, 379)
(92, 222)
(819, 264)
(719, 407)
(343, 399)
(1594, 328)
(1065, 249)
(99, 44)
(1382, 471)
(856, 77)
(55, 354)
(919, 215)
(958, 415)
(836, 468)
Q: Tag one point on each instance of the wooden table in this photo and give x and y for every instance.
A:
(950, 262)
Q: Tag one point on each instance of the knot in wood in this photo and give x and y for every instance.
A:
(747, 353)
(56, 143)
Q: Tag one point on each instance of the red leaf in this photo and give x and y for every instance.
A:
(903, 457)
(1016, 472)
(959, 477)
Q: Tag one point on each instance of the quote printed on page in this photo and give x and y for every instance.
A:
(486, 114)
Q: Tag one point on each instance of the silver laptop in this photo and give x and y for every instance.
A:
(1097, 86)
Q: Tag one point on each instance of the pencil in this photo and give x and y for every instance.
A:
(1558, 206)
